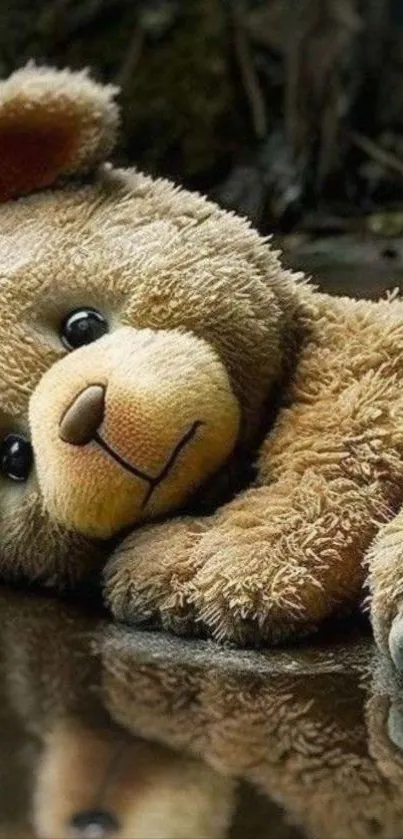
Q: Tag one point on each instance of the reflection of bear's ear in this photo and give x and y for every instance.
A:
(52, 123)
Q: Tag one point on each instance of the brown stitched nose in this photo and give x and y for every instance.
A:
(83, 418)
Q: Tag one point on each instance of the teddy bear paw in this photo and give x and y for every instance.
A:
(147, 579)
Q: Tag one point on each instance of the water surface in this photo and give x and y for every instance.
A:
(111, 732)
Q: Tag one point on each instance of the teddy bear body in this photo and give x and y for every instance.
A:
(152, 345)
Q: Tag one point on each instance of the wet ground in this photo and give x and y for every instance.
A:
(111, 732)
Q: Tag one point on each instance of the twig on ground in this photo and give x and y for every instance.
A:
(385, 158)
(248, 74)
(131, 58)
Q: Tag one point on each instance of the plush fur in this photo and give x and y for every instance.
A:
(175, 740)
(255, 421)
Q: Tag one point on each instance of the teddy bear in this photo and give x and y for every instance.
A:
(118, 733)
(183, 420)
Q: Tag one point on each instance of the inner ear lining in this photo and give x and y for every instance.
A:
(32, 157)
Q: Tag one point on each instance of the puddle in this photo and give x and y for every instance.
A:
(111, 732)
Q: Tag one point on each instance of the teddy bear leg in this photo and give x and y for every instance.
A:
(385, 561)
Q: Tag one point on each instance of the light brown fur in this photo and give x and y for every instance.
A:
(207, 326)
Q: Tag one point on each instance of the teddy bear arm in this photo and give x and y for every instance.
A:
(270, 564)
(281, 558)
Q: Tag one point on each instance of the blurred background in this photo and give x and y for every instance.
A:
(288, 111)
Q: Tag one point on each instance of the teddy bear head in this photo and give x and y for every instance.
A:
(142, 330)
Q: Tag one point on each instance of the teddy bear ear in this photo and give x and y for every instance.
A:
(52, 123)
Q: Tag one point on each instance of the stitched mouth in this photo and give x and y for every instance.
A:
(153, 482)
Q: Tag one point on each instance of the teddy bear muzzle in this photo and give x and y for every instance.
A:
(81, 423)
(125, 429)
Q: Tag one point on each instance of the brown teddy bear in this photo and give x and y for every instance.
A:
(120, 734)
(160, 365)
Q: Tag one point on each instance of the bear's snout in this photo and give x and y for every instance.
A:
(169, 420)
(83, 418)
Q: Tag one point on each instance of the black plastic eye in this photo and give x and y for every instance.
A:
(83, 326)
(16, 457)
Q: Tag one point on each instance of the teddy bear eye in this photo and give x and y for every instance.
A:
(16, 457)
(83, 326)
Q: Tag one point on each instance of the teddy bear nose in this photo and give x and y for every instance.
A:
(83, 418)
